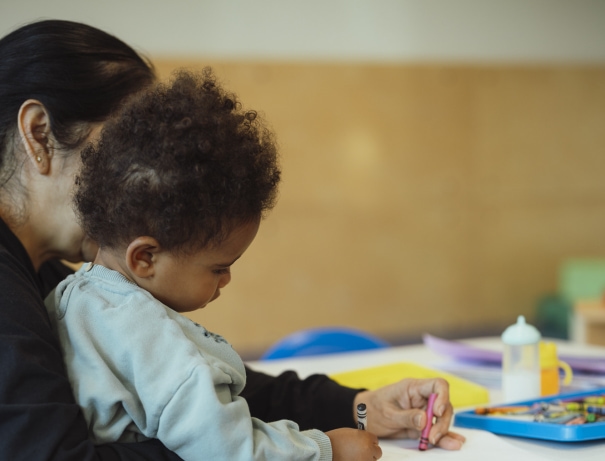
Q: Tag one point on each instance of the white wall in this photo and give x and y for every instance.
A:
(366, 30)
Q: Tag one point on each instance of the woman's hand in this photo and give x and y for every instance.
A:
(399, 410)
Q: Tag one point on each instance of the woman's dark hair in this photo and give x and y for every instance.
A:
(80, 74)
(180, 162)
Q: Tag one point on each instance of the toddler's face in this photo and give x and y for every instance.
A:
(187, 283)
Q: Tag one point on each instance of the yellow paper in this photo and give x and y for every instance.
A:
(463, 393)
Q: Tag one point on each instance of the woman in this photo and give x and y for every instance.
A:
(59, 81)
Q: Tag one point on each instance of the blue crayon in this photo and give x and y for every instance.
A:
(597, 410)
(362, 416)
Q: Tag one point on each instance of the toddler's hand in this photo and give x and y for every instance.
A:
(354, 445)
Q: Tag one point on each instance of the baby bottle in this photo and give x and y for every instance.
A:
(521, 362)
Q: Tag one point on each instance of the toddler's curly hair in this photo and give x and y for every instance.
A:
(180, 162)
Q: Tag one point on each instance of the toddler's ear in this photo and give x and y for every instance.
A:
(141, 256)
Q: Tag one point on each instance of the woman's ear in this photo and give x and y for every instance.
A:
(34, 128)
(141, 256)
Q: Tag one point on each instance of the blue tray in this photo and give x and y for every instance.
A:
(535, 430)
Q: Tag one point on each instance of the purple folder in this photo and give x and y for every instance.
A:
(468, 353)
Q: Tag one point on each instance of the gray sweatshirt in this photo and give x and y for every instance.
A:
(140, 370)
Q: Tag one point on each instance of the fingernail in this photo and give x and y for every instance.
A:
(441, 410)
(436, 439)
(418, 421)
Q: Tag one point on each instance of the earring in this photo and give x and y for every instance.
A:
(38, 159)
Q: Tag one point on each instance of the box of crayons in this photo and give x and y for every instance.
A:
(570, 417)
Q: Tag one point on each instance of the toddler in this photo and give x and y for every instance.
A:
(174, 193)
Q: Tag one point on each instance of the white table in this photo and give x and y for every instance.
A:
(330, 364)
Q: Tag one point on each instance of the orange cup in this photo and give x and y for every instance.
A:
(549, 369)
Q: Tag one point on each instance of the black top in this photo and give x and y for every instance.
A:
(39, 419)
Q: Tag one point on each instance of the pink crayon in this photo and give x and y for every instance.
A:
(424, 437)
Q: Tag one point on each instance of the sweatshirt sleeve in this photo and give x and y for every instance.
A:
(223, 428)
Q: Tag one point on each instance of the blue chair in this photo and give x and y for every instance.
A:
(319, 341)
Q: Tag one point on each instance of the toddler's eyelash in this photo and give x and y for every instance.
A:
(221, 271)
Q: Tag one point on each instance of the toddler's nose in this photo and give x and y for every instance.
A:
(225, 279)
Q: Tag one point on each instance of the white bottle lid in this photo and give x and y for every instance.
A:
(521, 333)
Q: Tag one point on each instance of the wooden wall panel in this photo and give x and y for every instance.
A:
(415, 198)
